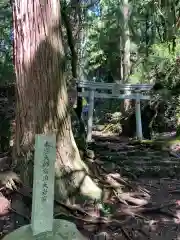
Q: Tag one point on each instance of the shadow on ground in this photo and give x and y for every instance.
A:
(152, 171)
(151, 166)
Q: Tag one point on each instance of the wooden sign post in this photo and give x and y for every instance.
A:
(43, 226)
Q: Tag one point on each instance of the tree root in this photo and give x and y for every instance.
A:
(133, 211)
(20, 214)
(95, 220)
(174, 191)
(129, 197)
(119, 220)
(125, 233)
(75, 211)
(9, 179)
(133, 204)
(116, 183)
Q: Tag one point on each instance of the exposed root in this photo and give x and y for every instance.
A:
(20, 214)
(125, 234)
(95, 220)
(133, 211)
(174, 191)
(117, 177)
(133, 201)
(143, 233)
(117, 183)
(121, 219)
(128, 197)
(9, 180)
(75, 211)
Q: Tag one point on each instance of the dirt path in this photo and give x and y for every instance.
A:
(154, 169)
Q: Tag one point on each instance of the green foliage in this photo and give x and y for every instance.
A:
(153, 25)
(161, 66)
(6, 66)
(153, 28)
(102, 47)
(106, 209)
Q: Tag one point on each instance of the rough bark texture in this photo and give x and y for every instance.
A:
(42, 101)
(74, 66)
(126, 41)
(126, 53)
(178, 130)
(178, 117)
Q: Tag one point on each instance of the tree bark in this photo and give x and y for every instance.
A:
(178, 117)
(126, 52)
(74, 64)
(126, 41)
(42, 101)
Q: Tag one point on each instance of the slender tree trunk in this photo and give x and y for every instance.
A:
(178, 129)
(126, 41)
(42, 101)
(74, 68)
(126, 52)
(178, 117)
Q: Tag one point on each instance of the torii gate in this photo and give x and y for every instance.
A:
(118, 91)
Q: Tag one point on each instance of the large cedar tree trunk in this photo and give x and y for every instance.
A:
(42, 102)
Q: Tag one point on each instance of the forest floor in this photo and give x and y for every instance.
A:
(150, 168)
(154, 166)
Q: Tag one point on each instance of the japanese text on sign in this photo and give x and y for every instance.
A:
(45, 166)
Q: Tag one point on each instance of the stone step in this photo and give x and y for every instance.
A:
(125, 159)
(165, 163)
(147, 153)
(152, 171)
(113, 152)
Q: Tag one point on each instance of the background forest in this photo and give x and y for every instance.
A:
(127, 41)
(122, 41)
